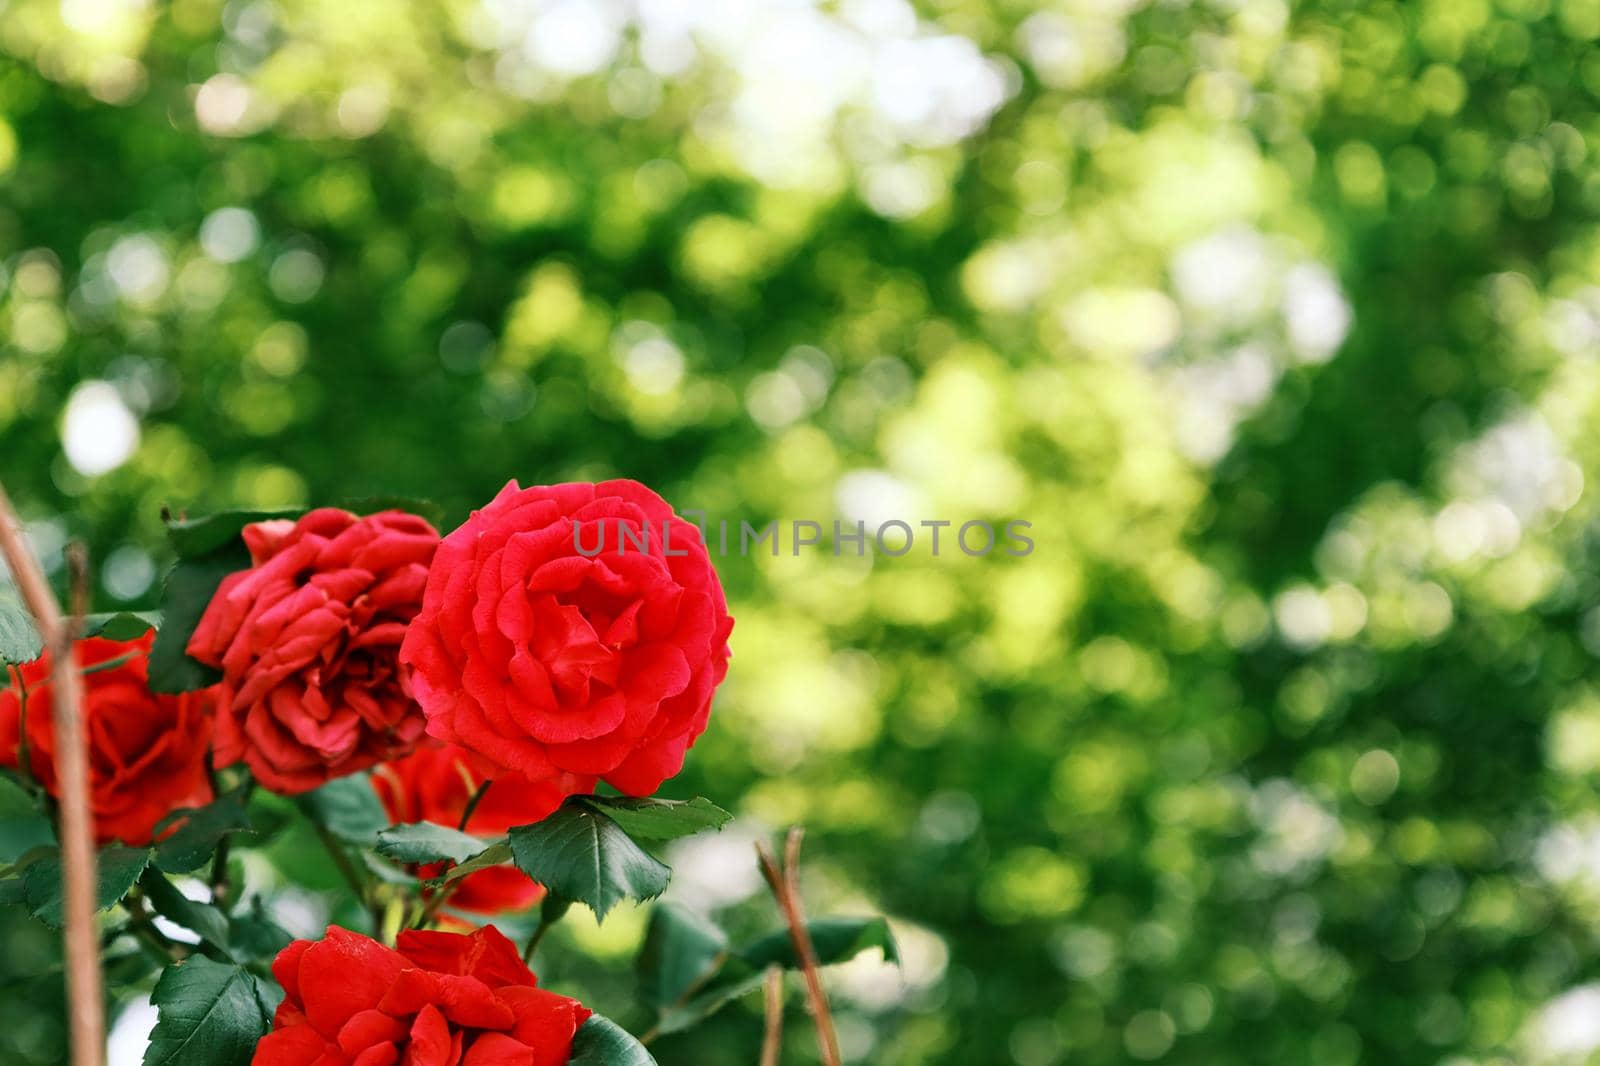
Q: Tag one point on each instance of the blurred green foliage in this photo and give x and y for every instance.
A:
(1278, 321)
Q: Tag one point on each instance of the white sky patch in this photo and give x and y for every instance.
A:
(229, 234)
(138, 268)
(814, 88)
(1315, 313)
(130, 1033)
(98, 431)
(1567, 1028)
(876, 497)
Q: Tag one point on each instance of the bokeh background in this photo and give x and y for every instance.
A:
(1277, 320)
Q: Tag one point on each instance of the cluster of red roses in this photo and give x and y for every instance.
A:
(499, 653)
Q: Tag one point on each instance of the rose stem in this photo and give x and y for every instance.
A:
(24, 760)
(695, 986)
(341, 859)
(85, 1003)
(785, 885)
(221, 881)
(145, 929)
(772, 1038)
(551, 911)
(472, 805)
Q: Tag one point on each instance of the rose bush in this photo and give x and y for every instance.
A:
(543, 659)
(147, 752)
(307, 641)
(435, 783)
(435, 999)
(565, 635)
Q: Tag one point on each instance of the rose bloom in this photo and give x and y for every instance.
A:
(434, 783)
(543, 659)
(147, 752)
(307, 640)
(436, 999)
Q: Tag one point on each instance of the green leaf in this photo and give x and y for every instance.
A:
(184, 599)
(493, 855)
(120, 625)
(425, 509)
(117, 869)
(205, 920)
(254, 937)
(23, 826)
(196, 840)
(208, 1014)
(602, 1042)
(648, 818)
(193, 538)
(426, 842)
(682, 949)
(677, 1017)
(583, 855)
(833, 939)
(349, 808)
(19, 640)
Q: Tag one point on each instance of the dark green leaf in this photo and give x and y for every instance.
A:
(202, 828)
(118, 868)
(12, 890)
(425, 509)
(682, 948)
(184, 599)
(27, 859)
(583, 855)
(19, 640)
(254, 937)
(834, 940)
(120, 625)
(192, 538)
(493, 855)
(426, 842)
(349, 808)
(209, 1014)
(677, 1017)
(388, 872)
(23, 826)
(206, 921)
(601, 1042)
(648, 818)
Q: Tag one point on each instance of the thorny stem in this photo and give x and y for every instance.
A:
(84, 981)
(772, 1037)
(785, 885)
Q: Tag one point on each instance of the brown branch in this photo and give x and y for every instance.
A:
(86, 1008)
(772, 1038)
(785, 885)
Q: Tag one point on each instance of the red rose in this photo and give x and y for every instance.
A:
(306, 640)
(147, 752)
(434, 783)
(544, 659)
(438, 999)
